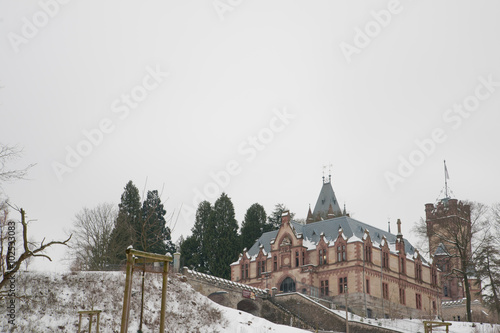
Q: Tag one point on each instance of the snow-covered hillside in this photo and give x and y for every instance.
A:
(52, 302)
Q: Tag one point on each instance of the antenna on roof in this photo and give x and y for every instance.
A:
(446, 177)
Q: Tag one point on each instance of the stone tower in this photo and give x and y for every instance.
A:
(442, 219)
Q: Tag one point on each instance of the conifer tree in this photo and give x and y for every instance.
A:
(152, 233)
(221, 238)
(195, 251)
(274, 219)
(253, 225)
(129, 215)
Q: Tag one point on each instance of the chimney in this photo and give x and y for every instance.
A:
(285, 217)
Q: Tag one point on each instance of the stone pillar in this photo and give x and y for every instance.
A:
(177, 262)
(274, 291)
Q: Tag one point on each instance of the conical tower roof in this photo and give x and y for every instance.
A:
(325, 199)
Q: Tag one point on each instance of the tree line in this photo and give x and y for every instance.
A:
(215, 242)
(103, 233)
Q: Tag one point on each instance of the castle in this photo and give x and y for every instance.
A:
(342, 260)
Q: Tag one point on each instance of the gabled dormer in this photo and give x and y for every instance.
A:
(322, 249)
(340, 245)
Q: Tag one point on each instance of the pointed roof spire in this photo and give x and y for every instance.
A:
(310, 217)
(325, 199)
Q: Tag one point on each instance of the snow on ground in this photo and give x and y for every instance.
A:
(416, 325)
(52, 302)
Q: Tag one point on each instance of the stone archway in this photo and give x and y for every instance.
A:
(288, 285)
(220, 297)
(249, 306)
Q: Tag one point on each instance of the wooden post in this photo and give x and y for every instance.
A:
(150, 257)
(90, 322)
(128, 291)
(80, 323)
(97, 326)
(164, 297)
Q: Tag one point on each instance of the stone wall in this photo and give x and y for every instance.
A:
(320, 317)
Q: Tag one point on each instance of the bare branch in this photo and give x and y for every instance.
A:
(27, 253)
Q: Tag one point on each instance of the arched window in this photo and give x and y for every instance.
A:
(275, 263)
(288, 285)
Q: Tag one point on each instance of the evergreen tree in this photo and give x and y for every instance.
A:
(129, 215)
(152, 233)
(221, 241)
(274, 219)
(253, 225)
(190, 253)
(203, 215)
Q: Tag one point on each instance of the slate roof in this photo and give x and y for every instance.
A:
(311, 233)
(325, 198)
(441, 250)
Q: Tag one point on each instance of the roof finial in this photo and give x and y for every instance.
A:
(324, 167)
(399, 228)
(389, 224)
(330, 173)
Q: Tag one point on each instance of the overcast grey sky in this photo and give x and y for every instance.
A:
(252, 98)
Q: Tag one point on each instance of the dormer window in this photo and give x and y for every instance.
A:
(341, 252)
(322, 257)
(418, 271)
(368, 253)
(385, 259)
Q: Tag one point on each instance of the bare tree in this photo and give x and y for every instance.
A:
(7, 154)
(488, 272)
(4, 235)
(13, 262)
(92, 234)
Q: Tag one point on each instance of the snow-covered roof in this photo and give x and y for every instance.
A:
(351, 228)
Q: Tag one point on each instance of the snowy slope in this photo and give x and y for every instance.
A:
(53, 300)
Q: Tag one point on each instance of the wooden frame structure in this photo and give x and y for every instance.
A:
(429, 325)
(133, 258)
(90, 313)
